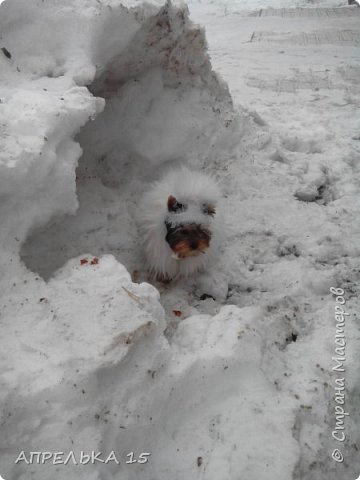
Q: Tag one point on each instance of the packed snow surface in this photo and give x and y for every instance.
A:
(223, 376)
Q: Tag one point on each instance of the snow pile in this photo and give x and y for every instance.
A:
(200, 405)
(85, 365)
(97, 98)
(164, 105)
(61, 340)
(294, 192)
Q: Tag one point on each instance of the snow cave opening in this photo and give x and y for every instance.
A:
(164, 105)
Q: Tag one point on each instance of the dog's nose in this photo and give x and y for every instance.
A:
(194, 244)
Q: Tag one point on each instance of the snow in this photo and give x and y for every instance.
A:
(224, 375)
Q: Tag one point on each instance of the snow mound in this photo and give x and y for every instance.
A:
(164, 106)
(85, 364)
(98, 98)
(62, 339)
(100, 382)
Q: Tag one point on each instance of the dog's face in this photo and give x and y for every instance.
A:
(186, 237)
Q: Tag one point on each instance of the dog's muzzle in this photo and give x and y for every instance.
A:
(187, 240)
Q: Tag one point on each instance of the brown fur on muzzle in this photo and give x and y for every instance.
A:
(188, 240)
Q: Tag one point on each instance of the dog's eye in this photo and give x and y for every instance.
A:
(174, 205)
(209, 209)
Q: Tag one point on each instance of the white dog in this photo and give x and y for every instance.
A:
(179, 223)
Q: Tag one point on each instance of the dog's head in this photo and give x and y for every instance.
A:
(188, 227)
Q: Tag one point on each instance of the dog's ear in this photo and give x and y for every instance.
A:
(171, 203)
(209, 209)
(175, 206)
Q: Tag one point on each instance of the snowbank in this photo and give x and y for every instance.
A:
(289, 246)
(97, 98)
(85, 365)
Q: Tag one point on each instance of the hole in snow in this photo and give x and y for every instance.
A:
(291, 338)
(164, 106)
